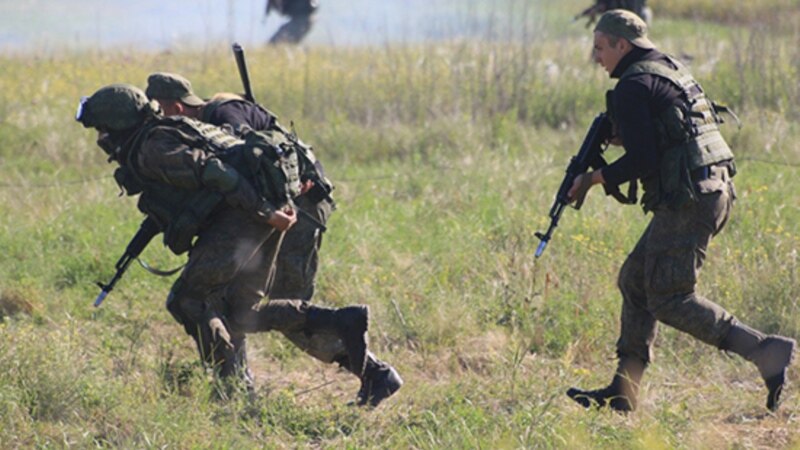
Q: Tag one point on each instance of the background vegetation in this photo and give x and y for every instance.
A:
(446, 159)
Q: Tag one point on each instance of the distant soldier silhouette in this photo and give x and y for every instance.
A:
(301, 19)
(600, 6)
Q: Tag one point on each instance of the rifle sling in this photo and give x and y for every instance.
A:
(159, 272)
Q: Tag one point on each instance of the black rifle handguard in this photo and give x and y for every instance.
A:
(147, 231)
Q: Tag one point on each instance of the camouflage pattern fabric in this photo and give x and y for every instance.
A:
(658, 278)
(228, 275)
(299, 255)
(230, 269)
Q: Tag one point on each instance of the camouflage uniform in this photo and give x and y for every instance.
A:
(327, 337)
(232, 262)
(658, 278)
(298, 259)
(186, 177)
(669, 130)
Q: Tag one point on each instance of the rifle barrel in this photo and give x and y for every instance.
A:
(241, 64)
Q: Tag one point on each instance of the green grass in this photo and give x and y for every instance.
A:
(446, 159)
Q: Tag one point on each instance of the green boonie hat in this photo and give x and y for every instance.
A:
(115, 107)
(625, 24)
(170, 86)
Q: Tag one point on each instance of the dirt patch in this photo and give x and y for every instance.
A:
(13, 303)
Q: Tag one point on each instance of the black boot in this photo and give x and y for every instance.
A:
(621, 394)
(351, 324)
(379, 382)
(771, 354)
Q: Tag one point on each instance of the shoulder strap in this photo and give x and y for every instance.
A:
(680, 77)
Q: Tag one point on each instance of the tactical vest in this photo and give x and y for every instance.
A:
(687, 137)
(309, 166)
(181, 213)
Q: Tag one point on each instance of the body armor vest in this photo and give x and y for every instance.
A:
(309, 166)
(181, 213)
(687, 137)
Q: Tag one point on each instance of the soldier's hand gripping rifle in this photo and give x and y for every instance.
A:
(590, 155)
(147, 230)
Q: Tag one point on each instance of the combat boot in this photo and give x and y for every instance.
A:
(771, 354)
(350, 324)
(236, 367)
(379, 382)
(621, 394)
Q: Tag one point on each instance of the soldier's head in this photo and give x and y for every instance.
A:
(115, 111)
(174, 93)
(617, 33)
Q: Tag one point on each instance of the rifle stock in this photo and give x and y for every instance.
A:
(147, 230)
(589, 156)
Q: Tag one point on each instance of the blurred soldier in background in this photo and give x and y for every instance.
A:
(672, 146)
(301, 19)
(298, 258)
(190, 180)
(637, 6)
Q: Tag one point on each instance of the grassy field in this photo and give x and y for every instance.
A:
(446, 159)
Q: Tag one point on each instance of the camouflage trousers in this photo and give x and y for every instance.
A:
(298, 259)
(226, 282)
(659, 276)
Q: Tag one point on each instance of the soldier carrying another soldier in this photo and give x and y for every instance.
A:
(190, 180)
(298, 258)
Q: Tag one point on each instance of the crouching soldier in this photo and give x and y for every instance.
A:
(190, 181)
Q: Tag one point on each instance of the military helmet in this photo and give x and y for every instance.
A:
(116, 107)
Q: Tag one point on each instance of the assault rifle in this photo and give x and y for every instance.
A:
(589, 156)
(147, 230)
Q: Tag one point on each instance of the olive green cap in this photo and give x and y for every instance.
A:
(625, 24)
(170, 86)
(116, 107)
